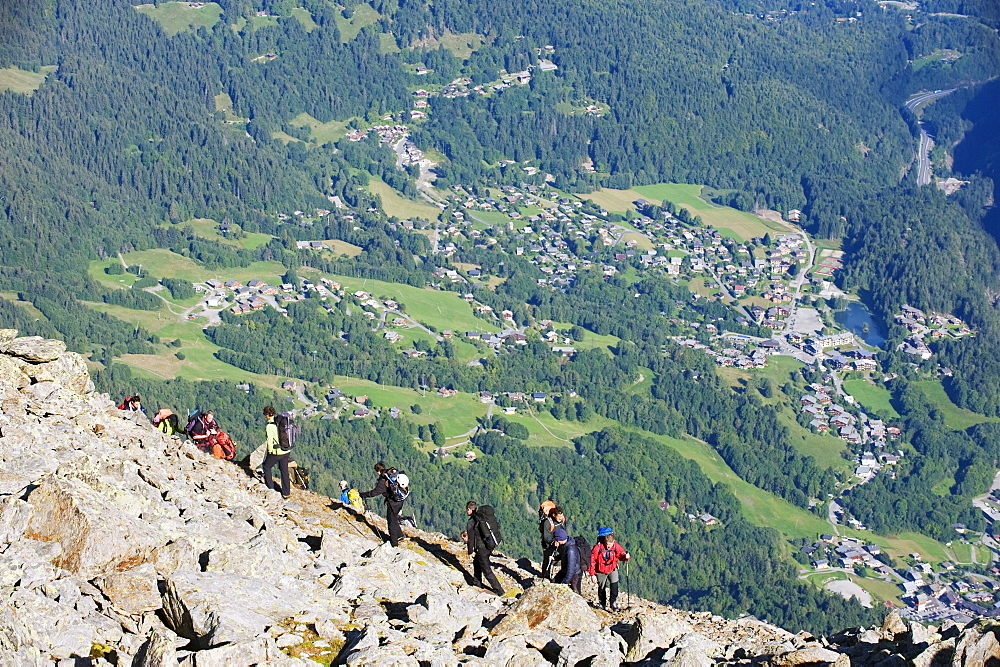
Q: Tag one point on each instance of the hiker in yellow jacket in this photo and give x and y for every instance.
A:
(275, 456)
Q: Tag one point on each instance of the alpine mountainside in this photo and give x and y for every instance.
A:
(122, 546)
(149, 127)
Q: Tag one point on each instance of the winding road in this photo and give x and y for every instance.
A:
(926, 142)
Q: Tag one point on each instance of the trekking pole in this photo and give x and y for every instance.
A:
(628, 588)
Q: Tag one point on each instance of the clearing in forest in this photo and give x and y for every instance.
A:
(361, 16)
(320, 132)
(175, 17)
(394, 203)
(18, 80)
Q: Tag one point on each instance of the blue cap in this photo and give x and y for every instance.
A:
(604, 532)
(560, 534)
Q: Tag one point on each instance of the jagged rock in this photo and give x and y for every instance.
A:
(921, 635)
(259, 651)
(549, 606)
(158, 651)
(936, 654)
(397, 575)
(96, 537)
(12, 374)
(34, 348)
(69, 370)
(811, 656)
(513, 652)
(654, 631)
(214, 608)
(7, 335)
(177, 555)
(892, 626)
(15, 515)
(261, 557)
(978, 645)
(590, 648)
(134, 592)
(343, 548)
(442, 612)
(690, 656)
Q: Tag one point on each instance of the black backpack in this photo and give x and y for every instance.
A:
(584, 547)
(287, 430)
(488, 527)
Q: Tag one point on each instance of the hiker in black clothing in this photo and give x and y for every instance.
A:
(392, 507)
(481, 546)
(132, 404)
(569, 558)
(546, 525)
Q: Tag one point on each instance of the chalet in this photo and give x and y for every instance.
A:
(361, 412)
(232, 284)
(214, 284)
(538, 396)
(256, 283)
(289, 385)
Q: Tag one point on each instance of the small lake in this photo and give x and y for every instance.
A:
(857, 319)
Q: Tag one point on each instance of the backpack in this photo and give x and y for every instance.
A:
(125, 404)
(287, 430)
(169, 425)
(223, 446)
(488, 527)
(584, 548)
(398, 484)
(354, 499)
(194, 421)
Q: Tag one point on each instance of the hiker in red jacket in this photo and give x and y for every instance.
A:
(604, 559)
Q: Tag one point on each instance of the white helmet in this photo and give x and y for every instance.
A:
(403, 481)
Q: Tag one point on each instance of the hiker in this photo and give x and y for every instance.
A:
(482, 534)
(350, 496)
(165, 420)
(604, 559)
(394, 493)
(132, 404)
(568, 557)
(276, 456)
(583, 549)
(202, 427)
(547, 524)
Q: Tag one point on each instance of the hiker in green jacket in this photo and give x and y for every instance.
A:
(275, 456)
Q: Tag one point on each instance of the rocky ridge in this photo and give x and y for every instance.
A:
(121, 546)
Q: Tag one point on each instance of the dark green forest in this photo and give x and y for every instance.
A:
(782, 105)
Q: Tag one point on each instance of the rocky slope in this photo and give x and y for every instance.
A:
(121, 546)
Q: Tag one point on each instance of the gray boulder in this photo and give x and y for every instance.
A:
(134, 591)
(513, 652)
(34, 348)
(810, 656)
(978, 645)
(96, 537)
(654, 631)
(397, 575)
(443, 612)
(259, 651)
(547, 606)
(593, 648)
(214, 608)
(158, 651)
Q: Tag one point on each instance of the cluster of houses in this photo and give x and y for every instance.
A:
(922, 326)
(930, 595)
(826, 415)
(738, 353)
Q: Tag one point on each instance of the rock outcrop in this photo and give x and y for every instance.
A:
(121, 546)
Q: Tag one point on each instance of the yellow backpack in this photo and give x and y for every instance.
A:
(354, 498)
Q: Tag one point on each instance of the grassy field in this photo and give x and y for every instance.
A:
(441, 310)
(175, 17)
(224, 103)
(343, 247)
(641, 242)
(590, 340)
(954, 417)
(457, 414)
(22, 81)
(461, 45)
(825, 448)
(207, 229)
(320, 132)
(873, 397)
(885, 591)
(305, 18)
(396, 204)
(938, 55)
(166, 264)
(364, 15)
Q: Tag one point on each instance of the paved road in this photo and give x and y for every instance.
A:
(926, 142)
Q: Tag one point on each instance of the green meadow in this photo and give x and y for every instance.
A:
(954, 417)
(22, 81)
(175, 17)
(364, 15)
(320, 132)
(872, 397)
(396, 204)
